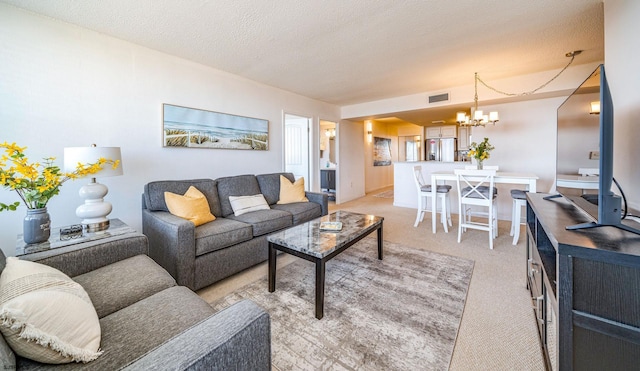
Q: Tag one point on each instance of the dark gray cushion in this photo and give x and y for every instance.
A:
(134, 331)
(3, 261)
(154, 193)
(265, 221)
(240, 185)
(270, 185)
(123, 283)
(519, 194)
(221, 233)
(484, 190)
(301, 211)
(443, 188)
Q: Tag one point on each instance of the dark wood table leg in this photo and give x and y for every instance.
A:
(319, 289)
(380, 242)
(272, 268)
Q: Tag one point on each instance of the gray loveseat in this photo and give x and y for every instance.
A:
(148, 322)
(199, 256)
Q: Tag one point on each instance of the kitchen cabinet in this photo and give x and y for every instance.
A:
(328, 179)
(448, 131)
(584, 288)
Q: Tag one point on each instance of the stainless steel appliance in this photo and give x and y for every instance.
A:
(440, 149)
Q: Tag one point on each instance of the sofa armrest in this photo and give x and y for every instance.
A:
(78, 259)
(319, 198)
(237, 338)
(172, 244)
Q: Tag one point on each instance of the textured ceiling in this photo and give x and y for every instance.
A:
(348, 51)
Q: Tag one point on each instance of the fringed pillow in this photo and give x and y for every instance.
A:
(45, 315)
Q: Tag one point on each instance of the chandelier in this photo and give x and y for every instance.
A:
(480, 119)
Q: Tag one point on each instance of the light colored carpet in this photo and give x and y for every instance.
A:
(498, 328)
(399, 313)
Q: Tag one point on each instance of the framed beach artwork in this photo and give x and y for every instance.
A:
(381, 151)
(195, 128)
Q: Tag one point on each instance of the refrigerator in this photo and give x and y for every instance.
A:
(440, 149)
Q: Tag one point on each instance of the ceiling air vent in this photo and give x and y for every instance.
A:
(444, 97)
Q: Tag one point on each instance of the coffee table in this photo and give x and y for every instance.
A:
(308, 242)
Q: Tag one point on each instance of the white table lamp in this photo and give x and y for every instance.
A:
(94, 211)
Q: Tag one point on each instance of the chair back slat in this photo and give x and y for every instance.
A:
(417, 178)
(478, 184)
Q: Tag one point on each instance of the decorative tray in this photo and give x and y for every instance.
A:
(331, 226)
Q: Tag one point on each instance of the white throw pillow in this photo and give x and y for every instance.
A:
(244, 204)
(45, 315)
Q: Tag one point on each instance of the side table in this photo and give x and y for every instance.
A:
(55, 245)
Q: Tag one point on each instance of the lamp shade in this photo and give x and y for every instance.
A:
(89, 155)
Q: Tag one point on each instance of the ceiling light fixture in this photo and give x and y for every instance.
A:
(330, 133)
(480, 119)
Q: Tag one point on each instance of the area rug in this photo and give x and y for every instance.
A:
(400, 313)
(385, 194)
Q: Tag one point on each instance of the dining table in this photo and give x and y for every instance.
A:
(529, 180)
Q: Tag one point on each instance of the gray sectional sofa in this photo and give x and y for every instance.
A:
(199, 256)
(149, 323)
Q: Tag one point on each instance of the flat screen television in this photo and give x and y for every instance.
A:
(584, 162)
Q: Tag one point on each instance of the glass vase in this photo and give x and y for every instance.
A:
(479, 164)
(36, 227)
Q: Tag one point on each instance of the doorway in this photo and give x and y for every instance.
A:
(328, 158)
(296, 146)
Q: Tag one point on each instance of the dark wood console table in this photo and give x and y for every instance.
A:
(585, 288)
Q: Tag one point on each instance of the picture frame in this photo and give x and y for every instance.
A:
(196, 128)
(381, 151)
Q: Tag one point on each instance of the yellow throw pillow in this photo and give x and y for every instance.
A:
(291, 192)
(46, 316)
(193, 206)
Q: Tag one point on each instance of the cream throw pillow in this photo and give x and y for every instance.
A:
(244, 204)
(291, 192)
(45, 315)
(192, 206)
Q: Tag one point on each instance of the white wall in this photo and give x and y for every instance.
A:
(350, 172)
(64, 86)
(622, 66)
(524, 138)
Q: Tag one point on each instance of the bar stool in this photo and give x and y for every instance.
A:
(519, 200)
(424, 194)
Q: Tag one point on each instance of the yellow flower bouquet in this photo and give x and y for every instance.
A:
(480, 151)
(36, 183)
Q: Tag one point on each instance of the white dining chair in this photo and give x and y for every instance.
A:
(424, 194)
(476, 188)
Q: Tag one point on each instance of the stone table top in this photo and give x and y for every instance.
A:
(307, 238)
